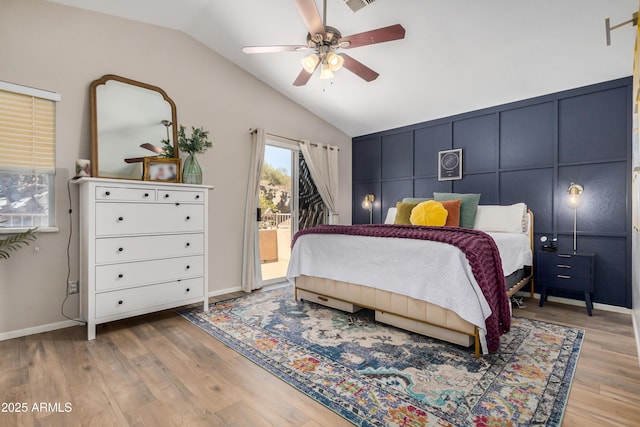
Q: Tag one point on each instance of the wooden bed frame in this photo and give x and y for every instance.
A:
(399, 310)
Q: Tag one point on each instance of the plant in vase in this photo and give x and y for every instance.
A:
(197, 143)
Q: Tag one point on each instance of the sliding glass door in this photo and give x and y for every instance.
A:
(278, 205)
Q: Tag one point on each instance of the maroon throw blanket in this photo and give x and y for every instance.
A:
(479, 248)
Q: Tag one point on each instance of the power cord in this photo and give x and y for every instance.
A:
(519, 302)
(69, 256)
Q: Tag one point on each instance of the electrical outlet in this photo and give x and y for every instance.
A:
(72, 287)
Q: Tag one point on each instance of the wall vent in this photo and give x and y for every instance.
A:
(356, 5)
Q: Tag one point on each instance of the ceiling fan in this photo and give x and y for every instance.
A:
(325, 41)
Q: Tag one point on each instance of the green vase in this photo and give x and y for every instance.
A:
(191, 172)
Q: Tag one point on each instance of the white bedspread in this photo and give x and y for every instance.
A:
(515, 250)
(435, 272)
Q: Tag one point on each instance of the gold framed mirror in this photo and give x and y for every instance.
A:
(129, 121)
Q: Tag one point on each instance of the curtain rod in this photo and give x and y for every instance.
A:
(290, 139)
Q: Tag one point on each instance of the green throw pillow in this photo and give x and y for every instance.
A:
(468, 206)
(403, 212)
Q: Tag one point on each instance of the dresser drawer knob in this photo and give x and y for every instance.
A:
(562, 276)
(188, 244)
(120, 249)
(120, 218)
(107, 193)
(120, 276)
(188, 218)
(146, 194)
(177, 204)
(188, 267)
(166, 196)
(120, 302)
(197, 196)
(188, 289)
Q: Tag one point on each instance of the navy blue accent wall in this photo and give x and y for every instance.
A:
(527, 151)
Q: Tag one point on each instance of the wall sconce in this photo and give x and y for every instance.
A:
(367, 203)
(574, 190)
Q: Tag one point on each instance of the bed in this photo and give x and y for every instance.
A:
(423, 286)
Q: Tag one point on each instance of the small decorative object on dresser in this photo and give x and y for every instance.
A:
(143, 248)
(568, 272)
(161, 169)
(197, 143)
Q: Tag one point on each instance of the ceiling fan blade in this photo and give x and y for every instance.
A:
(302, 78)
(274, 49)
(358, 68)
(381, 35)
(311, 17)
(152, 147)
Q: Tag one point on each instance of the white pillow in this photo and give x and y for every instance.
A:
(391, 216)
(508, 219)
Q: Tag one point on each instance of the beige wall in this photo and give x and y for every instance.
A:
(62, 49)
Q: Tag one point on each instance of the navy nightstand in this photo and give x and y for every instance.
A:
(569, 272)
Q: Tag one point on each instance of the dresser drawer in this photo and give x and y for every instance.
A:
(148, 298)
(125, 249)
(181, 196)
(114, 219)
(117, 276)
(126, 194)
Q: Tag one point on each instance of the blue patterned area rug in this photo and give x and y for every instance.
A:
(377, 375)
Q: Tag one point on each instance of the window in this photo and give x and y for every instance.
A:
(27, 157)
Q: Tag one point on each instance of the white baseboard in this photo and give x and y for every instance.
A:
(224, 291)
(578, 303)
(67, 323)
(37, 329)
(636, 334)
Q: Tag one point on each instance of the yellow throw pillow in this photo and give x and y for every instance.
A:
(429, 213)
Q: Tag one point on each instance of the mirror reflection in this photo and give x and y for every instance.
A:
(129, 122)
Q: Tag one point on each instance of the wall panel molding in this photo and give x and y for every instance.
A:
(528, 151)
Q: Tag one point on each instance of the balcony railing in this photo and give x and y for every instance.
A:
(275, 220)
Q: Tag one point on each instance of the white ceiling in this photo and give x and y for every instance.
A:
(457, 55)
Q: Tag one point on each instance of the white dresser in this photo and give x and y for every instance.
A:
(143, 248)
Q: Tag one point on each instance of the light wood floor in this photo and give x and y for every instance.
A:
(159, 370)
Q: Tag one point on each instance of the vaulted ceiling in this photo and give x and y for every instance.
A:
(457, 56)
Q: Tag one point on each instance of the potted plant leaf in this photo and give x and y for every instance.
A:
(15, 242)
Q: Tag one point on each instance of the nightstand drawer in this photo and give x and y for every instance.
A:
(566, 282)
(574, 266)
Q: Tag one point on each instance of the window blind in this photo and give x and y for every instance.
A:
(27, 129)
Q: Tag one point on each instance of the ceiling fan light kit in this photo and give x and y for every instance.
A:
(335, 61)
(309, 63)
(325, 71)
(325, 41)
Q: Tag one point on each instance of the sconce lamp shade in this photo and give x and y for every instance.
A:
(574, 190)
(367, 203)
